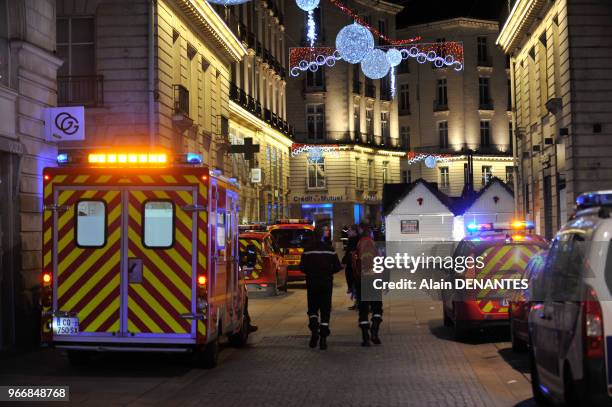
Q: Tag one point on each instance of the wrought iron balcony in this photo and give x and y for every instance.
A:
(486, 105)
(485, 61)
(440, 106)
(87, 90)
(181, 100)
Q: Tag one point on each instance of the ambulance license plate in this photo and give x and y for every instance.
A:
(65, 326)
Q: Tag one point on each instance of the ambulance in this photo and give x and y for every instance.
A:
(140, 253)
(504, 249)
(292, 236)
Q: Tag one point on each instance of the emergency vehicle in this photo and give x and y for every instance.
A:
(269, 273)
(570, 320)
(292, 236)
(140, 253)
(505, 250)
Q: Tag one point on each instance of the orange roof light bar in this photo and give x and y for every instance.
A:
(128, 158)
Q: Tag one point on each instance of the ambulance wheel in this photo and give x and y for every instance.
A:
(241, 337)
(210, 354)
(78, 357)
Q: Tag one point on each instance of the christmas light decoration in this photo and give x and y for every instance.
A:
(354, 42)
(392, 85)
(374, 31)
(375, 64)
(307, 5)
(440, 54)
(394, 56)
(430, 159)
(315, 150)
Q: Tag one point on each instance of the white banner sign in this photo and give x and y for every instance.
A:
(256, 175)
(65, 123)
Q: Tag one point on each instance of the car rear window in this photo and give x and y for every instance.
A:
(292, 238)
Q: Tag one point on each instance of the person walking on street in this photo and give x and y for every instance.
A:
(347, 260)
(319, 263)
(363, 261)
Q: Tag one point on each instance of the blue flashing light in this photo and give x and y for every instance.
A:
(233, 180)
(472, 226)
(62, 158)
(592, 199)
(193, 158)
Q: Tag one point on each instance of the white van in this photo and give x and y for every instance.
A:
(570, 321)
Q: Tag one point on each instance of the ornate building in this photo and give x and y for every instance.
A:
(463, 116)
(562, 103)
(258, 108)
(339, 106)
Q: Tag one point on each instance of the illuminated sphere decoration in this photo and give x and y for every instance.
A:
(430, 161)
(307, 5)
(354, 42)
(375, 65)
(394, 57)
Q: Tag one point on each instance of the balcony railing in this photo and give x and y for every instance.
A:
(486, 105)
(181, 100)
(463, 148)
(439, 106)
(80, 90)
(370, 91)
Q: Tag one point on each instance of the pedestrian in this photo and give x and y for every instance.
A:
(347, 260)
(319, 263)
(368, 298)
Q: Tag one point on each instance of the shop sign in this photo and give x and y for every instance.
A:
(318, 198)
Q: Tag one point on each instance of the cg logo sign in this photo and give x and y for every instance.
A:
(67, 123)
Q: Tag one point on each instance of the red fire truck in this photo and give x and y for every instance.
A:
(292, 236)
(140, 253)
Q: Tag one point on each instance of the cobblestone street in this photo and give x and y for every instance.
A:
(417, 365)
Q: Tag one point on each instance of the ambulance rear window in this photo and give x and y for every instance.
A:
(158, 224)
(91, 223)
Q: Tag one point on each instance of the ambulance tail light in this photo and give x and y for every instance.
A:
(202, 280)
(201, 293)
(46, 297)
(592, 326)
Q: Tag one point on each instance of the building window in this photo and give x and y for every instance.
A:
(510, 136)
(509, 174)
(443, 134)
(442, 95)
(384, 127)
(370, 123)
(405, 137)
(371, 174)
(75, 45)
(385, 172)
(487, 173)
(485, 133)
(484, 95)
(526, 199)
(316, 79)
(444, 177)
(483, 51)
(404, 99)
(357, 120)
(316, 172)
(385, 88)
(158, 224)
(315, 121)
(406, 177)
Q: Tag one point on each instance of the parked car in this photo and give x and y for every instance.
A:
(520, 303)
(570, 321)
(268, 272)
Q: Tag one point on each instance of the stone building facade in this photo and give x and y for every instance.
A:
(339, 106)
(562, 103)
(462, 114)
(28, 70)
(156, 75)
(258, 108)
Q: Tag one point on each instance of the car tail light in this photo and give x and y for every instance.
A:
(592, 326)
(46, 295)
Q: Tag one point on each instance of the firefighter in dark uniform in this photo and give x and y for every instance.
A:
(363, 259)
(319, 263)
